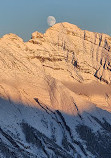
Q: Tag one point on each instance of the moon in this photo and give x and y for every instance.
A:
(51, 20)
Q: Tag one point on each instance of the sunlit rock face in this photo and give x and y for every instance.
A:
(55, 94)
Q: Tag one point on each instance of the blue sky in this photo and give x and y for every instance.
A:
(23, 17)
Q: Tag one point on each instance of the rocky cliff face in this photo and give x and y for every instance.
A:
(55, 94)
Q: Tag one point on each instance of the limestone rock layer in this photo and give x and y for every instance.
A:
(61, 63)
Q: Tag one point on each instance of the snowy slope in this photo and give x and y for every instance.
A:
(27, 131)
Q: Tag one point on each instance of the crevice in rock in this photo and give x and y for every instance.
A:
(78, 111)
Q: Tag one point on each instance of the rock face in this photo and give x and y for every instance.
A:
(55, 94)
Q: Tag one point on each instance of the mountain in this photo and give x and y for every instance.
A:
(55, 94)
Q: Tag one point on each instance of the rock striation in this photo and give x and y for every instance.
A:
(55, 94)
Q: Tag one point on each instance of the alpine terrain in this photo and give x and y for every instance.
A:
(55, 94)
